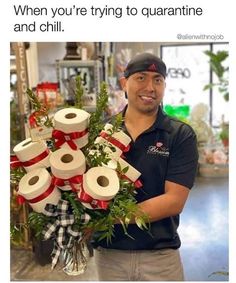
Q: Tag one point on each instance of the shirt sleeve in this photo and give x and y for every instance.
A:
(183, 159)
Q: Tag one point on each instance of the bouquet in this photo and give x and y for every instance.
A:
(73, 175)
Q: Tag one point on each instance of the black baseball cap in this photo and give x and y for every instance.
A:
(145, 62)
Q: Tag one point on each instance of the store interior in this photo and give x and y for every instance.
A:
(196, 93)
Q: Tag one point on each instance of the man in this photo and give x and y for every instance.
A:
(164, 150)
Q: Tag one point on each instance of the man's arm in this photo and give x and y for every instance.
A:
(169, 204)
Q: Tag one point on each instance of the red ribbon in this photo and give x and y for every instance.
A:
(95, 203)
(21, 199)
(115, 142)
(33, 117)
(71, 181)
(138, 184)
(15, 162)
(62, 137)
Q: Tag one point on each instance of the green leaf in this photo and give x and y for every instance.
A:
(125, 170)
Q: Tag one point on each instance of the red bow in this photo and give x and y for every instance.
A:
(71, 181)
(15, 162)
(21, 199)
(63, 137)
(115, 142)
(95, 203)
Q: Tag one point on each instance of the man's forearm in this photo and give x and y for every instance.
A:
(169, 204)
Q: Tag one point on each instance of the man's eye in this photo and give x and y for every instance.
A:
(140, 78)
(158, 80)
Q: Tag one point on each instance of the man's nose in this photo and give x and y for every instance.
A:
(150, 85)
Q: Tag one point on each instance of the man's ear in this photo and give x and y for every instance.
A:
(123, 81)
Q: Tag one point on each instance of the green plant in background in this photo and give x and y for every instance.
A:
(216, 63)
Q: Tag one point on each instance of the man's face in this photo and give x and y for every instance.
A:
(145, 91)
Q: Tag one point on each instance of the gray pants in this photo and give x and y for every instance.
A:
(154, 265)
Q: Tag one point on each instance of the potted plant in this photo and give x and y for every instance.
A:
(224, 134)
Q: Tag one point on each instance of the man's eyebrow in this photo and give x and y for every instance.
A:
(157, 75)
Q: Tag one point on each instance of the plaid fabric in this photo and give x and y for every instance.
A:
(61, 228)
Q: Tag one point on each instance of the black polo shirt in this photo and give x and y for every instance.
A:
(166, 151)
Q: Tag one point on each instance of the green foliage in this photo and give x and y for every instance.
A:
(123, 209)
(96, 121)
(35, 103)
(216, 63)
(17, 233)
(16, 174)
(224, 134)
(117, 122)
(79, 92)
(41, 111)
(38, 222)
(77, 208)
(97, 156)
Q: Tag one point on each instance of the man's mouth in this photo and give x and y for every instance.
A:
(147, 98)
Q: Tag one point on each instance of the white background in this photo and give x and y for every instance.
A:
(216, 19)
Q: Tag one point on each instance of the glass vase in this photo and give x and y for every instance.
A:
(75, 258)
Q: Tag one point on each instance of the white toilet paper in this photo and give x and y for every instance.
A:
(132, 173)
(113, 152)
(101, 183)
(36, 187)
(35, 153)
(120, 135)
(72, 120)
(118, 140)
(89, 202)
(66, 164)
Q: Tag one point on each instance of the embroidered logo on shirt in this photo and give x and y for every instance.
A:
(158, 149)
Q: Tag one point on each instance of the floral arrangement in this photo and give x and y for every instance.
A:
(64, 204)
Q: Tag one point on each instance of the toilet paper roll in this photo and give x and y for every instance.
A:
(67, 163)
(132, 173)
(101, 183)
(80, 142)
(113, 153)
(89, 202)
(38, 184)
(112, 164)
(120, 135)
(118, 140)
(71, 120)
(32, 152)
